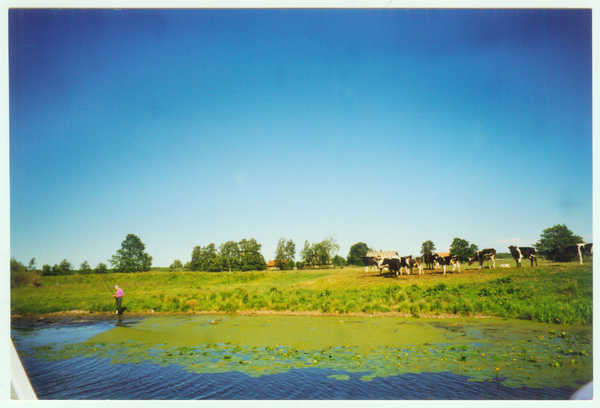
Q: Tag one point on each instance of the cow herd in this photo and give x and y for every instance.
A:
(396, 264)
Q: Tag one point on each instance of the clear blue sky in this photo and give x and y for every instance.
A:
(389, 127)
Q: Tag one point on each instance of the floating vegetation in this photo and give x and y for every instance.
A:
(511, 352)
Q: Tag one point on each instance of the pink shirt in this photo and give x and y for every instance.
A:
(119, 293)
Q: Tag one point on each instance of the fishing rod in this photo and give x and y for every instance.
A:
(108, 287)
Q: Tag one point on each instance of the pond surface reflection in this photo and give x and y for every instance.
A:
(266, 358)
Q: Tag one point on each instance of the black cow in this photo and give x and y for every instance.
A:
(520, 253)
(447, 260)
(484, 255)
(428, 259)
(579, 250)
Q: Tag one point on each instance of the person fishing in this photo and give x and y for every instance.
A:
(119, 298)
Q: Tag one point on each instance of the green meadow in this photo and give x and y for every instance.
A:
(558, 293)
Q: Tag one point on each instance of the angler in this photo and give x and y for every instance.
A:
(119, 297)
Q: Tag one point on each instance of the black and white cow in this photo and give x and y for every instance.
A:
(396, 264)
(520, 253)
(447, 260)
(382, 262)
(579, 250)
(484, 255)
(416, 262)
(369, 261)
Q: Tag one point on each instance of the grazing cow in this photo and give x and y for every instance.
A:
(580, 250)
(484, 255)
(520, 253)
(447, 260)
(428, 258)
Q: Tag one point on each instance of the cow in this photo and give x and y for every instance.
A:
(416, 262)
(580, 250)
(447, 260)
(369, 261)
(396, 264)
(381, 262)
(428, 259)
(520, 253)
(484, 255)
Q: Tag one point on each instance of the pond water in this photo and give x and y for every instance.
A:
(303, 358)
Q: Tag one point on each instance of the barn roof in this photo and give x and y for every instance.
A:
(382, 253)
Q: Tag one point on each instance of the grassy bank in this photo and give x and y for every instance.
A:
(551, 293)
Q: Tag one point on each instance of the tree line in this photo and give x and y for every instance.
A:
(245, 255)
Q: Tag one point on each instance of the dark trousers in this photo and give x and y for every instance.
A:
(119, 310)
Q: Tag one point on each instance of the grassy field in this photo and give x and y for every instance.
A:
(551, 293)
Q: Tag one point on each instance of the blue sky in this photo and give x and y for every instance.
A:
(390, 127)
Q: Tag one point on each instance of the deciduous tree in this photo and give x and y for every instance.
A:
(462, 248)
(427, 247)
(251, 258)
(65, 267)
(338, 261)
(101, 268)
(203, 257)
(85, 267)
(356, 253)
(131, 257)
(285, 254)
(553, 241)
(230, 252)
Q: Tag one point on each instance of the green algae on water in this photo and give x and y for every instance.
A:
(513, 352)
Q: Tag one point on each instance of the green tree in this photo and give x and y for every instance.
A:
(131, 257)
(101, 268)
(307, 255)
(320, 253)
(285, 254)
(553, 241)
(176, 264)
(427, 247)
(85, 267)
(31, 266)
(356, 253)
(19, 274)
(230, 254)
(250, 256)
(16, 266)
(204, 258)
(46, 270)
(65, 267)
(338, 261)
(55, 270)
(462, 248)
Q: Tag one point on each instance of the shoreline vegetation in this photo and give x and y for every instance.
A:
(550, 293)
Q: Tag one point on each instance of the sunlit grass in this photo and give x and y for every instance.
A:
(552, 293)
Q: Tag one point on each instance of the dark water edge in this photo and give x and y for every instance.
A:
(98, 379)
